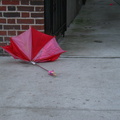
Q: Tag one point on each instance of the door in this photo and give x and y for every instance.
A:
(55, 17)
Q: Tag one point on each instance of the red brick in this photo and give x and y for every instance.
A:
(40, 21)
(2, 8)
(0, 14)
(25, 21)
(1, 27)
(37, 2)
(7, 38)
(11, 21)
(19, 32)
(6, 27)
(25, 8)
(10, 2)
(38, 27)
(25, 14)
(11, 14)
(3, 32)
(37, 14)
(2, 20)
(1, 39)
(39, 9)
(25, 27)
(12, 33)
(24, 2)
(3, 44)
(11, 8)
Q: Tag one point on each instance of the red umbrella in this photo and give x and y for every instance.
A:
(34, 46)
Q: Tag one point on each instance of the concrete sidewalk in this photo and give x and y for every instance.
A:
(88, 81)
(96, 31)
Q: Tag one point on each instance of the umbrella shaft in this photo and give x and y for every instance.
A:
(39, 66)
(42, 67)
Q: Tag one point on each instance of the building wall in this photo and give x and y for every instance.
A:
(16, 16)
(73, 7)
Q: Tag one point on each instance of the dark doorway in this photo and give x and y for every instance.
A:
(55, 17)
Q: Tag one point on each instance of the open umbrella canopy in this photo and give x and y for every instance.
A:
(35, 46)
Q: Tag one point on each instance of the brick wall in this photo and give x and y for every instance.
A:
(17, 15)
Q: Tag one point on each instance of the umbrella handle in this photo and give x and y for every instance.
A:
(52, 73)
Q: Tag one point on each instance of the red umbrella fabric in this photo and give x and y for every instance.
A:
(35, 46)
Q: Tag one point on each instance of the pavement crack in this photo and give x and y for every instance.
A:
(90, 57)
(60, 109)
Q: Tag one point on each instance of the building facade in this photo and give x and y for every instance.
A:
(49, 16)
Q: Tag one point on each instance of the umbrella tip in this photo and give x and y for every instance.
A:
(52, 73)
